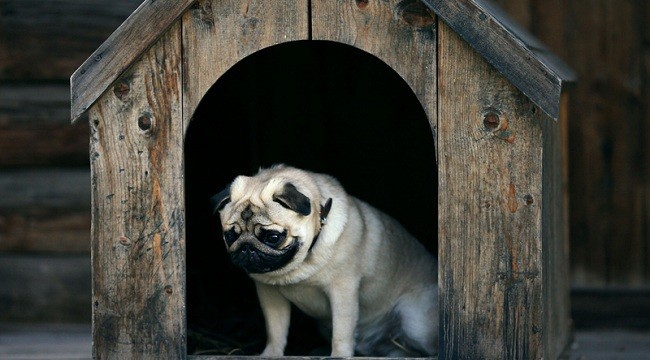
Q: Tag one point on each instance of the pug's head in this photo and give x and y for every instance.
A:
(270, 221)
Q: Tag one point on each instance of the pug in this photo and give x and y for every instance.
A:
(304, 241)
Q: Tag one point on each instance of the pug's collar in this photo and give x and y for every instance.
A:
(324, 211)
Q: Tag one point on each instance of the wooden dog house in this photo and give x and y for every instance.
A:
(495, 105)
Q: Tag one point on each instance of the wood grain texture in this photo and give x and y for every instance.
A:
(35, 127)
(400, 33)
(50, 39)
(138, 234)
(555, 249)
(490, 210)
(521, 58)
(607, 44)
(44, 288)
(218, 34)
(147, 23)
(45, 211)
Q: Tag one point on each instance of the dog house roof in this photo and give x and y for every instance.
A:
(521, 58)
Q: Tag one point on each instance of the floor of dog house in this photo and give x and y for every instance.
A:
(74, 341)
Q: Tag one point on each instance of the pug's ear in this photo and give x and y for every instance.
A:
(293, 199)
(220, 200)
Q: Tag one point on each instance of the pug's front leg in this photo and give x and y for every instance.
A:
(277, 313)
(344, 299)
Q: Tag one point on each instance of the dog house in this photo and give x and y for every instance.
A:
(496, 108)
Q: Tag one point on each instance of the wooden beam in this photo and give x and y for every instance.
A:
(120, 50)
(490, 210)
(138, 210)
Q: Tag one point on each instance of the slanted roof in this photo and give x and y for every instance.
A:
(521, 58)
(515, 53)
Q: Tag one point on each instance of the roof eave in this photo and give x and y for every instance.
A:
(120, 50)
(519, 56)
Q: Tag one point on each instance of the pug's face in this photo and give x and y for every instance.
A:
(266, 223)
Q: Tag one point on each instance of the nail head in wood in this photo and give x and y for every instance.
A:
(492, 121)
(121, 90)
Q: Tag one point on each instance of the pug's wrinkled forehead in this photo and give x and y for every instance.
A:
(263, 193)
(257, 190)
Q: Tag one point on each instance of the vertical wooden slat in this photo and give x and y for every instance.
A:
(490, 210)
(138, 234)
(556, 283)
(400, 33)
(218, 34)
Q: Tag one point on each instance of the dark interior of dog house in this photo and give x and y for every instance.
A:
(321, 106)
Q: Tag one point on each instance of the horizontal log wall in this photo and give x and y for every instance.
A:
(44, 175)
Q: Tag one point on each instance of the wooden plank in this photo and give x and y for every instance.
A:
(45, 210)
(138, 232)
(517, 55)
(218, 34)
(45, 288)
(556, 283)
(147, 23)
(490, 210)
(400, 33)
(39, 115)
(50, 39)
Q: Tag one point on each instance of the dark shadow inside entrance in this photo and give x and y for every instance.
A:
(321, 106)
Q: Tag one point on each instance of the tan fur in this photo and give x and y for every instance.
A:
(364, 276)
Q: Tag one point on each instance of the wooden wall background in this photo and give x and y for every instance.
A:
(44, 176)
(608, 43)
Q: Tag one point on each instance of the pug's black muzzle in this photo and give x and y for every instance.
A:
(259, 261)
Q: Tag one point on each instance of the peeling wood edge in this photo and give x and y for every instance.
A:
(471, 19)
(109, 62)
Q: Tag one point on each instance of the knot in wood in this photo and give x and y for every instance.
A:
(145, 122)
(529, 199)
(415, 13)
(125, 241)
(362, 4)
(121, 90)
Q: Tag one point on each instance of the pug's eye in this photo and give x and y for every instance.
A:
(272, 238)
(230, 236)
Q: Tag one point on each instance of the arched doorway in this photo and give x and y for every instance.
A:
(322, 106)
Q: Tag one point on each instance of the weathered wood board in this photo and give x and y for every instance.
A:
(521, 58)
(490, 209)
(555, 234)
(218, 34)
(400, 33)
(120, 50)
(138, 237)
